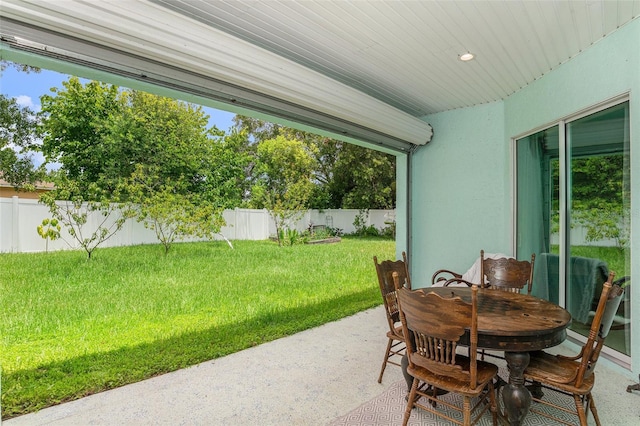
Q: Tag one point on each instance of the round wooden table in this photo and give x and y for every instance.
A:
(516, 324)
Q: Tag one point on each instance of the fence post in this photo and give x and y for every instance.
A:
(15, 224)
(266, 221)
(235, 223)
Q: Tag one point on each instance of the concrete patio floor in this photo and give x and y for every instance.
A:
(309, 378)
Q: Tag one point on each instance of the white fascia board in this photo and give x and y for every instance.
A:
(185, 50)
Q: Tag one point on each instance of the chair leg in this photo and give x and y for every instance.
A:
(434, 394)
(466, 407)
(386, 358)
(580, 409)
(494, 405)
(592, 408)
(410, 402)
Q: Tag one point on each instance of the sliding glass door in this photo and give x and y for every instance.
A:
(573, 205)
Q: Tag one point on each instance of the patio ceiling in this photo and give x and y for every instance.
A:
(365, 70)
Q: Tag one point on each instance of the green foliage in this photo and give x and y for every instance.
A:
(360, 221)
(100, 134)
(259, 130)
(598, 180)
(132, 147)
(362, 229)
(71, 328)
(227, 174)
(49, 229)
(344, 175)
(171, 138)
(389, 231)
(282, 180)
(363, 178)
(172, 212)
(607, 222)
(78, 133)
(600, 198)
(289, 237)
(335, 232)
(321, 232)
(17, 143)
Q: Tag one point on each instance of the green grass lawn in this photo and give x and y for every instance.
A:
(617, 260)
(71, 327)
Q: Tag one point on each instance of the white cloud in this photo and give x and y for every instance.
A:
(26, 101)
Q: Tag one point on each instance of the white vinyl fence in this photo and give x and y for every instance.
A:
(20, 217)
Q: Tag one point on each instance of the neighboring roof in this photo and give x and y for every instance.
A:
(46, 186)
(366, 70)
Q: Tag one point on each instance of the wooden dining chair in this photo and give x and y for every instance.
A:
(385, 269)
(432, 326)
(574, 376)
(505, 273)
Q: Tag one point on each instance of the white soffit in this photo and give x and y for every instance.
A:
(405, 52)
(151, 43)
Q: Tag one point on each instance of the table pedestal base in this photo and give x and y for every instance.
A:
(515, 396)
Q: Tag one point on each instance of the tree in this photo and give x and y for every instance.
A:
(136, 147)
(20, 67)
(90, 221)
(344, 175)
(184, 174)
(258, 130)
(17, 143)
(226, 174)
(601, 197)
(364, 179)
(77, 129)
(167, 134)
(165, 207)
(78, 133)
(18, 137)
(100, 134)
(283, 184)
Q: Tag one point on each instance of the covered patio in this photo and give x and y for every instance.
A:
(392, 76)
(323, 376)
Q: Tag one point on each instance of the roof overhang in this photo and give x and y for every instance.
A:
(206, 63)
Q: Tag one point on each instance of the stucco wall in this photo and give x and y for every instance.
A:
(461, 191)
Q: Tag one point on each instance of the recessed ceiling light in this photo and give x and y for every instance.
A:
(466, 57)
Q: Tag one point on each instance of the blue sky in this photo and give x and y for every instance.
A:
(27, 89)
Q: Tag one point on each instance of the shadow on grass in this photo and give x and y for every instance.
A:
(27, 391)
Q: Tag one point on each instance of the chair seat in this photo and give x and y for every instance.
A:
(486, 372)
(558, 372)
(397, 335)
